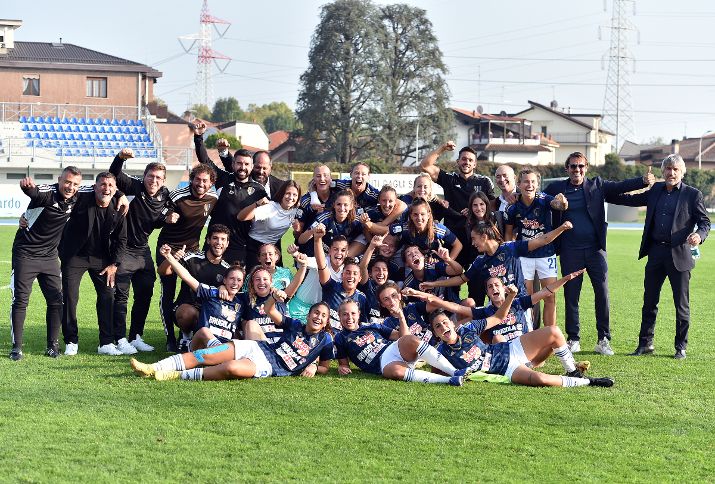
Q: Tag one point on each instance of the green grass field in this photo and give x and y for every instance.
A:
(88, 418)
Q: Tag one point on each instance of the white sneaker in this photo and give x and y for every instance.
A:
(125, 348)
(71, 349)
(139, 344)
(109, 349)
(604, 347)
(574, 346)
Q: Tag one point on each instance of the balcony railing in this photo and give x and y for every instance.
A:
(580, 138)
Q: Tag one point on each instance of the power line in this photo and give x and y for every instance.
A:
(566, 59)
(559, 83)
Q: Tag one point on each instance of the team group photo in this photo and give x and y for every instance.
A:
(443, 284)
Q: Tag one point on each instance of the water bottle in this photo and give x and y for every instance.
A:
(695, 252)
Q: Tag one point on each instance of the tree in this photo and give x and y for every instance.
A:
(273, 116)
(201, 111)
(233, 142)
(338, 95)
(226, 109)
(412, 86)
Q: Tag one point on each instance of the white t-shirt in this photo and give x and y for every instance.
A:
(270, 222)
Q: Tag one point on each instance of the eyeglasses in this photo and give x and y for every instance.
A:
(574, 166)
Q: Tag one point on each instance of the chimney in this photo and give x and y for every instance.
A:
(7, 34)
(674, 147)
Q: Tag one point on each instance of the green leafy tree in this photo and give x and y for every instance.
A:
(233, 142)
(411, 85)
(226, 109)
(274, 116)
(201, 111)
(338, 98)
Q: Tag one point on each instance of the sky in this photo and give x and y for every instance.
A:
(500, 54)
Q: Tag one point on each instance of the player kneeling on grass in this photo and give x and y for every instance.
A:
(296, 353)
(392, 353)
(464, 348)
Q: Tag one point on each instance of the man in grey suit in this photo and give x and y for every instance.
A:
(676, 220)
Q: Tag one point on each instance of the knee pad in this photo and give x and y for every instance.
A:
(199, 354)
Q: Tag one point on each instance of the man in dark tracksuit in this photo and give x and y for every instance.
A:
(236, 191)
(188, 209)
(94, 241)
(137, 268)
(34, 254)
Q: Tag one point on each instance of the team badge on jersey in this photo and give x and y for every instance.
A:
(207, 209)
(501, 257)
(250, 190)
(228, 313)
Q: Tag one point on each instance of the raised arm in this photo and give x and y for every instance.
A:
(178, 269)
(456, 248)
(320, 259)
(550, 289)
(270, 306)
(503, 310)
(453, 267)
(302, 262)
(165, 268)
(375, 242)
(428, 163)
(435, 302)
(549, 237)
(247, 212)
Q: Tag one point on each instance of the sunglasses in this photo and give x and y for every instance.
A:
(573, 166)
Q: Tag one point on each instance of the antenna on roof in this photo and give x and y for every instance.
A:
(554, 104)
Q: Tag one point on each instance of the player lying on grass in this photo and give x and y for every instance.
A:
(297, 352)
(515, 323)
(392, 353)
(464, 348)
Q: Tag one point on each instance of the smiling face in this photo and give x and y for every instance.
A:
(261, 282)
(290, 198)
(338, 252)
(261, 169)
(466, 163)
(387, 201)
(342, 207)
(268, 257)
(349, 315)
(104, 190)
(576, 167)
(495, 290)
(242, 166)
(479, 208)
(528, 184)
(443, 328)
(360, 176)
(479, 241)
(389, 246)
(420, 217)
(414, 258)
(317, 319)
(233, 281)
(200, 184)
(218, 243)
(68, 184)
(153, 181)
(423, 187)
(505, 178)
(390, 299)
(322, 178)
(379, 272)
(351, 277)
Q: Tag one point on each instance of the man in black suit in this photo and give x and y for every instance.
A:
(94, 241)
(585, 244)
(674, 209)
(261, 174)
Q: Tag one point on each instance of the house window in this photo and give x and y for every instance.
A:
(44, 176)
(96, 87)
(16, 176)
(544, 131)
(31, 85)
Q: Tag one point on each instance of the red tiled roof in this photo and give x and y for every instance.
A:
(492, 117)
(277, 138)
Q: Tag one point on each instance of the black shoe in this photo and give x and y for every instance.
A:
(574, 374)
(53, 351)
(172, 347)
(605, 381)
(643, 350)
(16, 354)
(679, 355)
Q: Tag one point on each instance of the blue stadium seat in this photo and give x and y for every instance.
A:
(81, 121)
(23, 119)
(134, 130)
(45, 136)
(140, 122)
(33, 127)
(83, 129)
(114, 122)
(73, 144)
(30, 143)
(85, 152)
(104, 121)
(50, 127)
(28, 135)
(145, 137)
(64, 121)
(104, 137)
(58, 152)
(75, 152)
(70, 136)
(56, 120)
(61, 136)
(73, 120)
(94, 137)
(92, 129)
(35, 135)
(122, 122)
(32, 119)
(64, 144)
(53, 136)
(112, 137)
(25, 127)
(66, 152)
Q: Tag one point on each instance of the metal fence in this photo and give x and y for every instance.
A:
(12, 112)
